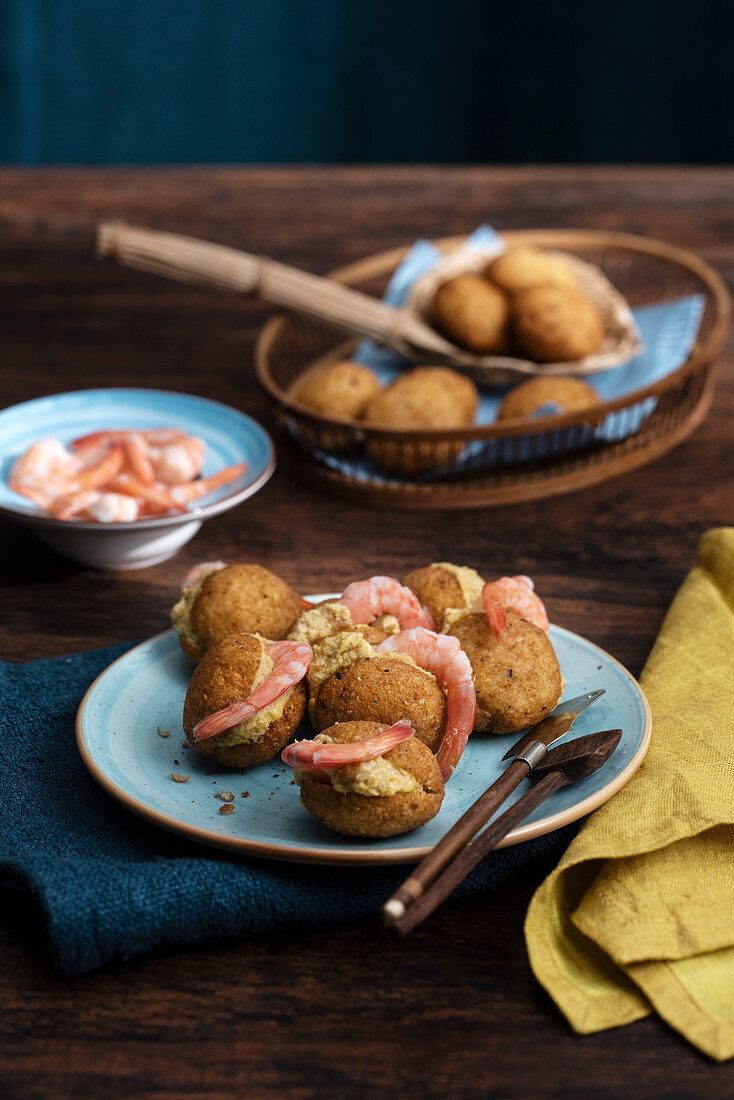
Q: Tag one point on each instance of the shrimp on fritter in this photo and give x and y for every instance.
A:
(442, 655)
(202, 567)
(292, 661)
(513, 594)
(367, 600)
(316, 755)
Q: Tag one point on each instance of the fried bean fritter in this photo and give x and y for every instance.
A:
(426, 397)
(556, 325)
(227, 674)
(384, 689)
(376, 815)
(438, 587)
(556, 395)
(517, 678)
(522, 266)
(472, 313)
(240, 598)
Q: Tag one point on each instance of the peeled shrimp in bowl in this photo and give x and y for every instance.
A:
(121, 479)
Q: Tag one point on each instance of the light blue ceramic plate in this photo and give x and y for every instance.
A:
(231, 437)
(117, 736)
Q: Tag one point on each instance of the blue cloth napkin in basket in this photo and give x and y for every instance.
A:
(108, 884)
(667, 331)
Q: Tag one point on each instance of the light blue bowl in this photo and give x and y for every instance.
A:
(230, 436)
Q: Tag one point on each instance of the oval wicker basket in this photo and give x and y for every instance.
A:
(512, 460)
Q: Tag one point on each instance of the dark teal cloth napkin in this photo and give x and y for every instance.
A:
(107, 884)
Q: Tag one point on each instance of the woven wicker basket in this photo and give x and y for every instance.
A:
(510, 460)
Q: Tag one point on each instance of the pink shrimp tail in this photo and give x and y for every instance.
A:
(138, 457)
(223, 719)
(72, 505)
(292, 662)
(203, 566)
(309, 756)
(513, 594)
(194, 490)
(132, 486)
(495, 613)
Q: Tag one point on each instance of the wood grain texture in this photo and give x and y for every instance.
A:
(452, 1011)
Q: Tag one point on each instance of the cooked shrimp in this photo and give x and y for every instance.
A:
(156, 437)
(168, 455)
(442, 655)
(185, 494)
(156, 468)
(71, 505)
(513, 594)
(311, 756)
(114, 508)
(376, 596)
(178, 461)
(92, 504)
(292, 661)
(138, 456)
(203, 567)
(98, 474)
(158, 497)
(45, 471)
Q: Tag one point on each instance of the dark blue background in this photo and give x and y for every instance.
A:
(153, 81)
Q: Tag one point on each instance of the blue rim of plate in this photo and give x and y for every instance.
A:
(244, 487)
(301, 853)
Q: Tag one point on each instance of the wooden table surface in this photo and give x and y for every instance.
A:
(454, 1011)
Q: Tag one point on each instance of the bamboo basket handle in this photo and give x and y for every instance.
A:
(214, 265)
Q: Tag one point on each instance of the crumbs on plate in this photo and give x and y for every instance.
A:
(163, 733)
(179, 778)
(226, 796)
(226, 809)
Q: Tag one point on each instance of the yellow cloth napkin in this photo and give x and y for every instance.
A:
(639, 914)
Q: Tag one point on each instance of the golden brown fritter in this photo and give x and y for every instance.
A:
(228, 674)
(241, 598)
(522, 266)
(384, 689)
(472, 313)
(555, 325)
(426, 397)
(518, 679)
(376, 815)
(560, 394)
(339, 390)
(443, 585)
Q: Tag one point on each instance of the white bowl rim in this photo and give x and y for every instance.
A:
(197, 513)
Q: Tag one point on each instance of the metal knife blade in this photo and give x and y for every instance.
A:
(556, 724)
(580, 756)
